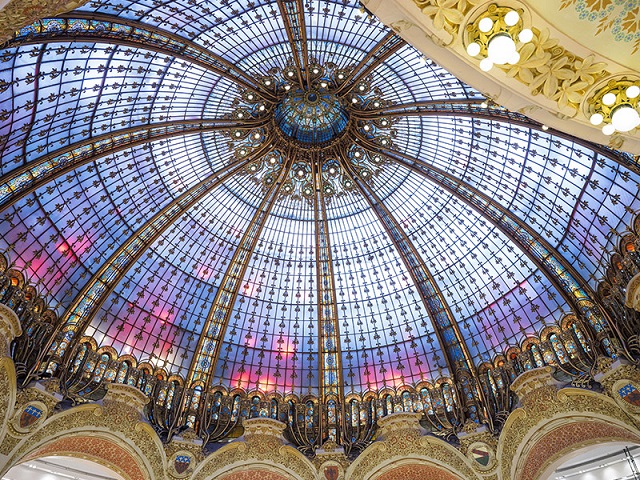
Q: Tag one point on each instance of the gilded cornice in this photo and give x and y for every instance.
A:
(554, 82)
(19, 13)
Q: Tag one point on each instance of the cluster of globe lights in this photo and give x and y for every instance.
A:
(624, 117)
(313, 117)
(501, 48)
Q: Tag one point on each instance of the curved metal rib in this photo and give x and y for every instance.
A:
(26, 179)
(470, 108)
(92, 27)
(330, 364)
(103, 282)
(210, 342)
(386, 47)
(292, 12)
(449, 336)
(562, 275)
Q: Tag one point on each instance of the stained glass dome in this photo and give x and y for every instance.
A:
(263, 197)
(311, 117)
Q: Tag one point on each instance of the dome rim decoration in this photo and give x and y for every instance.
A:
(318, 229)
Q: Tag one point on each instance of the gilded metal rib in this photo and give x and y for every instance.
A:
(470, 108)
(204, 362)
(574, 289)
(386, 47)
(330, 364)
(294, 24)
(90, 27)
(456, 352)
(108, 276)
(26, 179)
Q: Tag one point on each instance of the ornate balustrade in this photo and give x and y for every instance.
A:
(218, 414)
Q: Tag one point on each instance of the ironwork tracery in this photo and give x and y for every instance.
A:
(313, 203)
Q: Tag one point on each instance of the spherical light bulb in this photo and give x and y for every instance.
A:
(511, 18)
(596, 119)
(609, 99)
(290, 73)
(267, 82)
(608, 129)
(376, 104)
(261, 108)
(525, 35)
(340, 76)
(315, 70)
(485, 24)
(515, 58)
(354, 100)
(545, 128)
(486, 64)
(238, 134)
(501, 48)
(240, 115)
(473, 49)
(250, 97)
(633, 91)
(357, 154)
(323, 84)
(332, 170)
(367, 128)
(287, 87)
(625, 118)
(256, 136)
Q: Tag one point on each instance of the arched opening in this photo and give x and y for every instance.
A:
(62, 468)
(608, 461)
(254, 475)
(114, 455)
(416, 472)
(560, 444)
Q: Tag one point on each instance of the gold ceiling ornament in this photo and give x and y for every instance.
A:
(615, 105)
(496, 35)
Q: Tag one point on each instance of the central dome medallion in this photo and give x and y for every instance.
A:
(311, 117)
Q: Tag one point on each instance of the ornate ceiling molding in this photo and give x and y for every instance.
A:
(557, 80)
(18, 13)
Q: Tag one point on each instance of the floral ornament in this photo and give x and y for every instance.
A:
(444, 13)
(550, 74)
(529, 61)
(542, 41)
(587, 70)
(570, 94)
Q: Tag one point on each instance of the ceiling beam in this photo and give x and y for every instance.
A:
(330, 361)
(292, 12)
(472, 108)
(451, 340)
